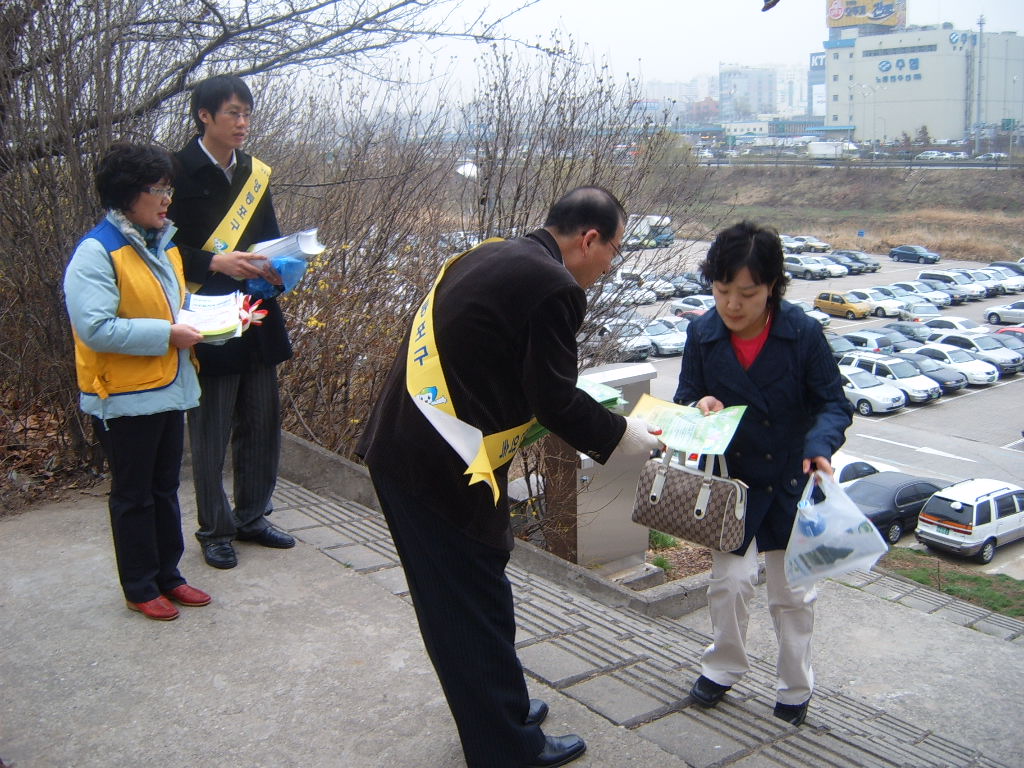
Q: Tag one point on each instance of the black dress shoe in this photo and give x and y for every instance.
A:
(559, 750)
(794, 714)
(268, 537)
(220, 554)
(707, 692)
(538, 711)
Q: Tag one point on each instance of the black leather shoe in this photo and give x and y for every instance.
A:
(220, 554)
(559, 750)
(268, 537)
(794, 714)
(538, 711)
(707, 692)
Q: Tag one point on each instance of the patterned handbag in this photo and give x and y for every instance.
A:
(692, 504)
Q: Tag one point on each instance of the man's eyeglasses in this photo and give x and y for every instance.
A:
(161, 191)
(236, 116)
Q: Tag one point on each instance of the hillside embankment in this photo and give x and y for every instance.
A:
(964, 213)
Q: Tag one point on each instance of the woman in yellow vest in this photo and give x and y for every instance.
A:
(124, 288)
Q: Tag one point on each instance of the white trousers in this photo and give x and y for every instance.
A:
(730, 589)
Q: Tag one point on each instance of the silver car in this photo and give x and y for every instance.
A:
(978, 372)
(664, 337)
(1007, 313)
(868, 393)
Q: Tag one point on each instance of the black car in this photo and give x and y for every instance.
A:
(915, 331)
(870, 264)
(917, 253)
(684, 286)
(957, 295)
(892, 500)
(852, 266)
(840, 345)
(946, 377)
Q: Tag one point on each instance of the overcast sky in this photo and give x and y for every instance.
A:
(675, 40)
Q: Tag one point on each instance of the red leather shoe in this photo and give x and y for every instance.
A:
(183, 594)
(158, 608)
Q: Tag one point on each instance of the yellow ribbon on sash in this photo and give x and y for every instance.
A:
(426, 384)
(227, 234)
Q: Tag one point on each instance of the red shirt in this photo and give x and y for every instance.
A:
(747, 350)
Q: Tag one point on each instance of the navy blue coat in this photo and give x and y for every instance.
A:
(796, 409)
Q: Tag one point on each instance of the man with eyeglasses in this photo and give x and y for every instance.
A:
(222, 205)
(492, 348)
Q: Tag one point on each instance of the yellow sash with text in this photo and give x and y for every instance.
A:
(227, 234)
(426, 384)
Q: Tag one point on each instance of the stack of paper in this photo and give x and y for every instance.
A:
(215, 317)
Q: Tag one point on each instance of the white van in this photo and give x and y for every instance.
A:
(972, 517)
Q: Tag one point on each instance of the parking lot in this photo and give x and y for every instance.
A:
(975, 432)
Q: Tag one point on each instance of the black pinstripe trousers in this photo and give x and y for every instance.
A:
(245, 409)
(463, 603)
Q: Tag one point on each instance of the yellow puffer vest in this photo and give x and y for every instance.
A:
(111, 373)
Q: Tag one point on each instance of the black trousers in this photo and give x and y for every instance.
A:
(463, 603)
(144, 453)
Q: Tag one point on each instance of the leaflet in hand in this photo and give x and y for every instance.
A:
(686, 429)
(300, 245)
(215, 317)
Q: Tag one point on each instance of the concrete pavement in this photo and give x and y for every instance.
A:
(311, 657)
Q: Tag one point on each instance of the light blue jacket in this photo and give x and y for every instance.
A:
(92, 298)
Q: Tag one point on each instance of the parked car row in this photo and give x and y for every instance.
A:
(970, 518)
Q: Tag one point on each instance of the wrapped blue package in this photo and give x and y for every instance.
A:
(290, 269)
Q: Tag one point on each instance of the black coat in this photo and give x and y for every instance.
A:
(202, 196)
(796, 409)
(506, 317)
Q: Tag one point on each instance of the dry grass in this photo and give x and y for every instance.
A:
(967, 214)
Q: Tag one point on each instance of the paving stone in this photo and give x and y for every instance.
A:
(697, 743)
(618, 701)
(392, 579)
(890, 589)
(960, 613)
(925, 600)
(554, 664)
(358, 557)
(294, 519)
(322, 537)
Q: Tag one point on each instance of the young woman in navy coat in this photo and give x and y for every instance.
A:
(755, 349)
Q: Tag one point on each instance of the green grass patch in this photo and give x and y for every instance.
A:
(661, 562)
(658, 540)
(995, 592)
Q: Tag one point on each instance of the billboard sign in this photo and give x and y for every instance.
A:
(853, 13)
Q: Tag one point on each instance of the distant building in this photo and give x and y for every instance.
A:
(745, 91)
(881, 85)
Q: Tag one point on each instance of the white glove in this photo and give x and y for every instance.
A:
(639, 437)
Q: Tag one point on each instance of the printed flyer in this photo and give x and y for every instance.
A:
(686, 429)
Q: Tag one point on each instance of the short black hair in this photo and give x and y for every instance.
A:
(759, 249)
(211, 93)
(124, 170)
(586, 208)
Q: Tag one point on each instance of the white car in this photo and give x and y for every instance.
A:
(665, 339)
(868, 393)
(817, 314)
(926, 292)
(849, 468)
(984, 347)
(812, 244)
(833, 269)
(971, 518)
(626, 295)
(1010, 282)
(978, 372)
(950, 323)
(918, 310)
(881, 305)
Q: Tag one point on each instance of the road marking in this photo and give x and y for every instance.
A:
(922, 449)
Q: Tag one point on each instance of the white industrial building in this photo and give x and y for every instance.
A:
(950, 81)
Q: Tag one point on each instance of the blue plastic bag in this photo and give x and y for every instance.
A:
(290, 269)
